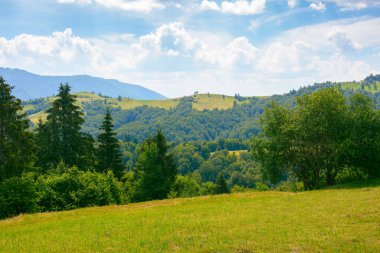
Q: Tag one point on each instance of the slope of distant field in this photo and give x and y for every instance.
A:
(32, 86)
(200, 102)
(371, 87)
(333, 220)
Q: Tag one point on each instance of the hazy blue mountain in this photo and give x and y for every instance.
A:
(31, 86)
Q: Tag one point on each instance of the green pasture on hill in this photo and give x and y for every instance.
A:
(341, 219)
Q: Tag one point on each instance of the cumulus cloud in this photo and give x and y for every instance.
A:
(280, 58)
(227, 64)
(209, 5)
(63, 52)
(292, 3)
(238, 52)
(342, 40)
(301, 60)
(321, 36)
(144, 6)
(60, 50)
(318, 6)
(238, 7)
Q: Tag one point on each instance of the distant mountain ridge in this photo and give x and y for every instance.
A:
(32, 86)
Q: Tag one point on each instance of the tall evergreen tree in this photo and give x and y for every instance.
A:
(108, 153)
(221, 185)
(61, 139)
(16, 143)
(155, 170)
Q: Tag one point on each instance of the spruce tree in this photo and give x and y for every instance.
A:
(108, 153)
(222, 186)
(16, 143)
(60, 139)
(155, 170)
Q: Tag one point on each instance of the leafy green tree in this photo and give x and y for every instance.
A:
(364, 151)
(60, 139)
(321, 135)
(108, 152)
(271, 147)
(155, 170)
(16, 143)
(309, 141)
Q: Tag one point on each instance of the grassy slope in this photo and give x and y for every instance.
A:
(203, 102)
(334, 220)
(357, 86)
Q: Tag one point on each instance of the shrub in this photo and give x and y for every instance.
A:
(185, 186)
(17, 195)
(239, 188)
(286, 186)
(75, 188)
(261, 187)
(209, 188)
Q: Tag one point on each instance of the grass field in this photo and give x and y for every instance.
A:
(203, 102)
(357, 86)
(346, 219)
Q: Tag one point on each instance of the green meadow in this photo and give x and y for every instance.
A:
(341, 219)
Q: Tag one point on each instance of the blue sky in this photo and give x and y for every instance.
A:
(177, 47)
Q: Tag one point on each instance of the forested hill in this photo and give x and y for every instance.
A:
(198, 117)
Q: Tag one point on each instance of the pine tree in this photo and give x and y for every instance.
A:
(60, 139)
(109, 156)
(155, 169)
(16, 143)
(222, 186)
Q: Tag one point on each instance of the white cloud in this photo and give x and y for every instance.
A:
(64, 53)
(209, 5)
(238, 7)
(301, 60)
(318, 6)
(280, 58)
(292, 3)
(359, 31)
(171, 39)
(351, 5)
(243, 7)
(215, 62)
(60, 50)
(342, 40)
(144, 6)
(238, 52)
(75, 1)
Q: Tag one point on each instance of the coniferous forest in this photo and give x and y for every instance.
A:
(307, 139)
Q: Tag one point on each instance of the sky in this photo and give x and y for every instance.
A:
(259, 47)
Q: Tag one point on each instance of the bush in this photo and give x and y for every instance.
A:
(208, 188)
(261, 187)
(286, 186)
(75, 189)
(239, 188)
(17, 195)
(185, 186)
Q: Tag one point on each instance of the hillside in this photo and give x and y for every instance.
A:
(344, 219)
(197, 117)
(199, 102)
(32, 86)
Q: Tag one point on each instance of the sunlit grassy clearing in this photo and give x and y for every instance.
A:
(357, 86)
(203, 102)
(334, 220)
